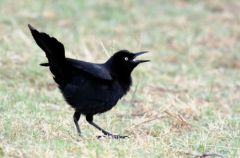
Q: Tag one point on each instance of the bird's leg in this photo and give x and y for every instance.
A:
(76, 117)
(89, 119)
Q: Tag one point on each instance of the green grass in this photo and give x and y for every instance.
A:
(186, 101)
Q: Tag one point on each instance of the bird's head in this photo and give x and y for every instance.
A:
(124, 61)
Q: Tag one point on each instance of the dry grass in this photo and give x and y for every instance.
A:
(183, 104)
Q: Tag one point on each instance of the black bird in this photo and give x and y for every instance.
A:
(90, 88)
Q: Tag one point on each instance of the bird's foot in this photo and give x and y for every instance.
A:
(119, 137)
(112, 136)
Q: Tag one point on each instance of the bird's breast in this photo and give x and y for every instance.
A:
(93, 96)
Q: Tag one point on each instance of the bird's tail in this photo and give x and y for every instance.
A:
(55, 54)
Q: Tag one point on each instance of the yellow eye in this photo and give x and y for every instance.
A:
(126, 58)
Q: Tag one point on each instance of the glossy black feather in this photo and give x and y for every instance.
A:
(55, 54)
(96, 70)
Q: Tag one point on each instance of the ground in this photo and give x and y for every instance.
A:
(184, 103)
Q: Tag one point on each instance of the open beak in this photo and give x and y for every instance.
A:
(139, 61)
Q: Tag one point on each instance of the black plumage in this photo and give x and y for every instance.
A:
(89, 88)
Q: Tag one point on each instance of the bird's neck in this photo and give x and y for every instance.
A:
(123, 76)
(125, 83)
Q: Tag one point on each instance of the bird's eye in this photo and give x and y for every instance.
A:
(126, 58)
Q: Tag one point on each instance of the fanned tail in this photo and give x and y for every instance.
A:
(55, 54)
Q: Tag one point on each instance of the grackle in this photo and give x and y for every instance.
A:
(90, 88)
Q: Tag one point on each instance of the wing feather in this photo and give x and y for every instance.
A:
(96, 70)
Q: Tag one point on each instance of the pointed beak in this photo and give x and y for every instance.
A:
(139, 61)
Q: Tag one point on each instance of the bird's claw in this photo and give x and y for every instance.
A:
(112, 136)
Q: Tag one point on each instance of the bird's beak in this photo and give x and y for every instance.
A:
(139, 61)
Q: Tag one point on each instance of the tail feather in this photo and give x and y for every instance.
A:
(55, 54)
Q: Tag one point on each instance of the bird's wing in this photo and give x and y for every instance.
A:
(96, 70)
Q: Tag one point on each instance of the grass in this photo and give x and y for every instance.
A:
(185, 102)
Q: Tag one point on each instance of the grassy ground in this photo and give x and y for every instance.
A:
(184, 103)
